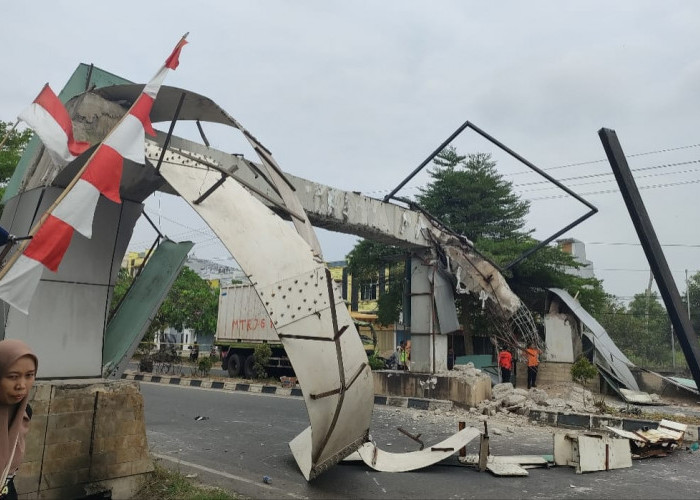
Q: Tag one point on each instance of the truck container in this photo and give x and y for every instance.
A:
(243, 324)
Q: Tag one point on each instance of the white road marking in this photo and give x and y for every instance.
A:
(226, 475)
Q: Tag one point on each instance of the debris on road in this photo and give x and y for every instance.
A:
(591, 451)
(657, 442)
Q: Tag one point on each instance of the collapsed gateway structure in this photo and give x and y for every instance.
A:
(248, 204)
(241, 201)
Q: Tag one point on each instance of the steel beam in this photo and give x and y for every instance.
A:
(650, 243)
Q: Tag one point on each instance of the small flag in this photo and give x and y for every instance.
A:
(74, 210)
(50, 120)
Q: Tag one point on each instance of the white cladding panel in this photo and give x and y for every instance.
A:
(66, 320)
(559, 338)
(64, 328)
(333, 373)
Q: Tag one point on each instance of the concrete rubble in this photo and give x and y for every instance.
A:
(507, 399)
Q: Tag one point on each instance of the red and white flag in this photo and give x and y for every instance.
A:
(50, 120)
(74, 210)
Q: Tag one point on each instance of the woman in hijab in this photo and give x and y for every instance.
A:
(18, 366)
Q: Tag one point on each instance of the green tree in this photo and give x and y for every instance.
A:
(190, 303)
(11, 151)
(121, 286)
(468, 195)
(693, 290)
(366, 260)
(641, 330)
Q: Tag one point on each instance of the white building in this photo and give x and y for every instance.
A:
(578, 249)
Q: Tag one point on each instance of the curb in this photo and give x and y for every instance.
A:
(397, 401)
(597, 422)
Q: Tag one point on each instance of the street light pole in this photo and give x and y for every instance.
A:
(673, 350)
(687, 293)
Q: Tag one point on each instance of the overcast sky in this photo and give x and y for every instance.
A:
(356, 94)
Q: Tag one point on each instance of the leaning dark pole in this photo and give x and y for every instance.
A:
(657, 261)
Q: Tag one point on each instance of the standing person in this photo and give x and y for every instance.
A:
(402, 355)
(194, 354)
(505, 362)
(18, 366)
(533, 362)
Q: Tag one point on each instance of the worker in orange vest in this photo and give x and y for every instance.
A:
(533, 362)
(505, 362)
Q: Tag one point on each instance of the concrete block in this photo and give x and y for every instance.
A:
(39, 408)
(29, 476)
(142, 466)
(68, 449)
(574, 420)
(67, 434)
(137, 441)
(104, 458)
(70, 420)
(109, 470)
(598, 422)
(125, 414)
(42, 392)
(630, 424)
(397, 401)
(65, 464)
(129, 454)
(63, 405)
(64, 478)
(34, 442)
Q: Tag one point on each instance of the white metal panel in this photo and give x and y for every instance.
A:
(558, 337)
(64, 327)
(332, 372)
(604, 345)
(402, 462)
(421, 316)
(619, 453)
(66, 318)
(592, 454)
(445, 304)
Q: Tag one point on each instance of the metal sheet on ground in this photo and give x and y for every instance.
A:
(385, 461)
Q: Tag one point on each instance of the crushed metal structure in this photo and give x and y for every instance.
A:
(248, 205)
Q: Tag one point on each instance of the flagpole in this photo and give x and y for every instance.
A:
(9, 133)
(64, 193)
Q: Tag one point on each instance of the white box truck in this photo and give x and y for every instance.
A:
(243, 323)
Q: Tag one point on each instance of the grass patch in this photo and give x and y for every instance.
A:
(166, 484)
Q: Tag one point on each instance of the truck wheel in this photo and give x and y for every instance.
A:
(248, 371)
(235, 363)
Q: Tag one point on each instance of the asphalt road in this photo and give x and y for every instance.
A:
(245, 436)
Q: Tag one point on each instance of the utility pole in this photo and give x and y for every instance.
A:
(687, 294)
(673, 350)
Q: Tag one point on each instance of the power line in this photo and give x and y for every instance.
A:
(610, 191)
(602, 160)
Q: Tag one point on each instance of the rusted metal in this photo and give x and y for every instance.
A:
(415, 437)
